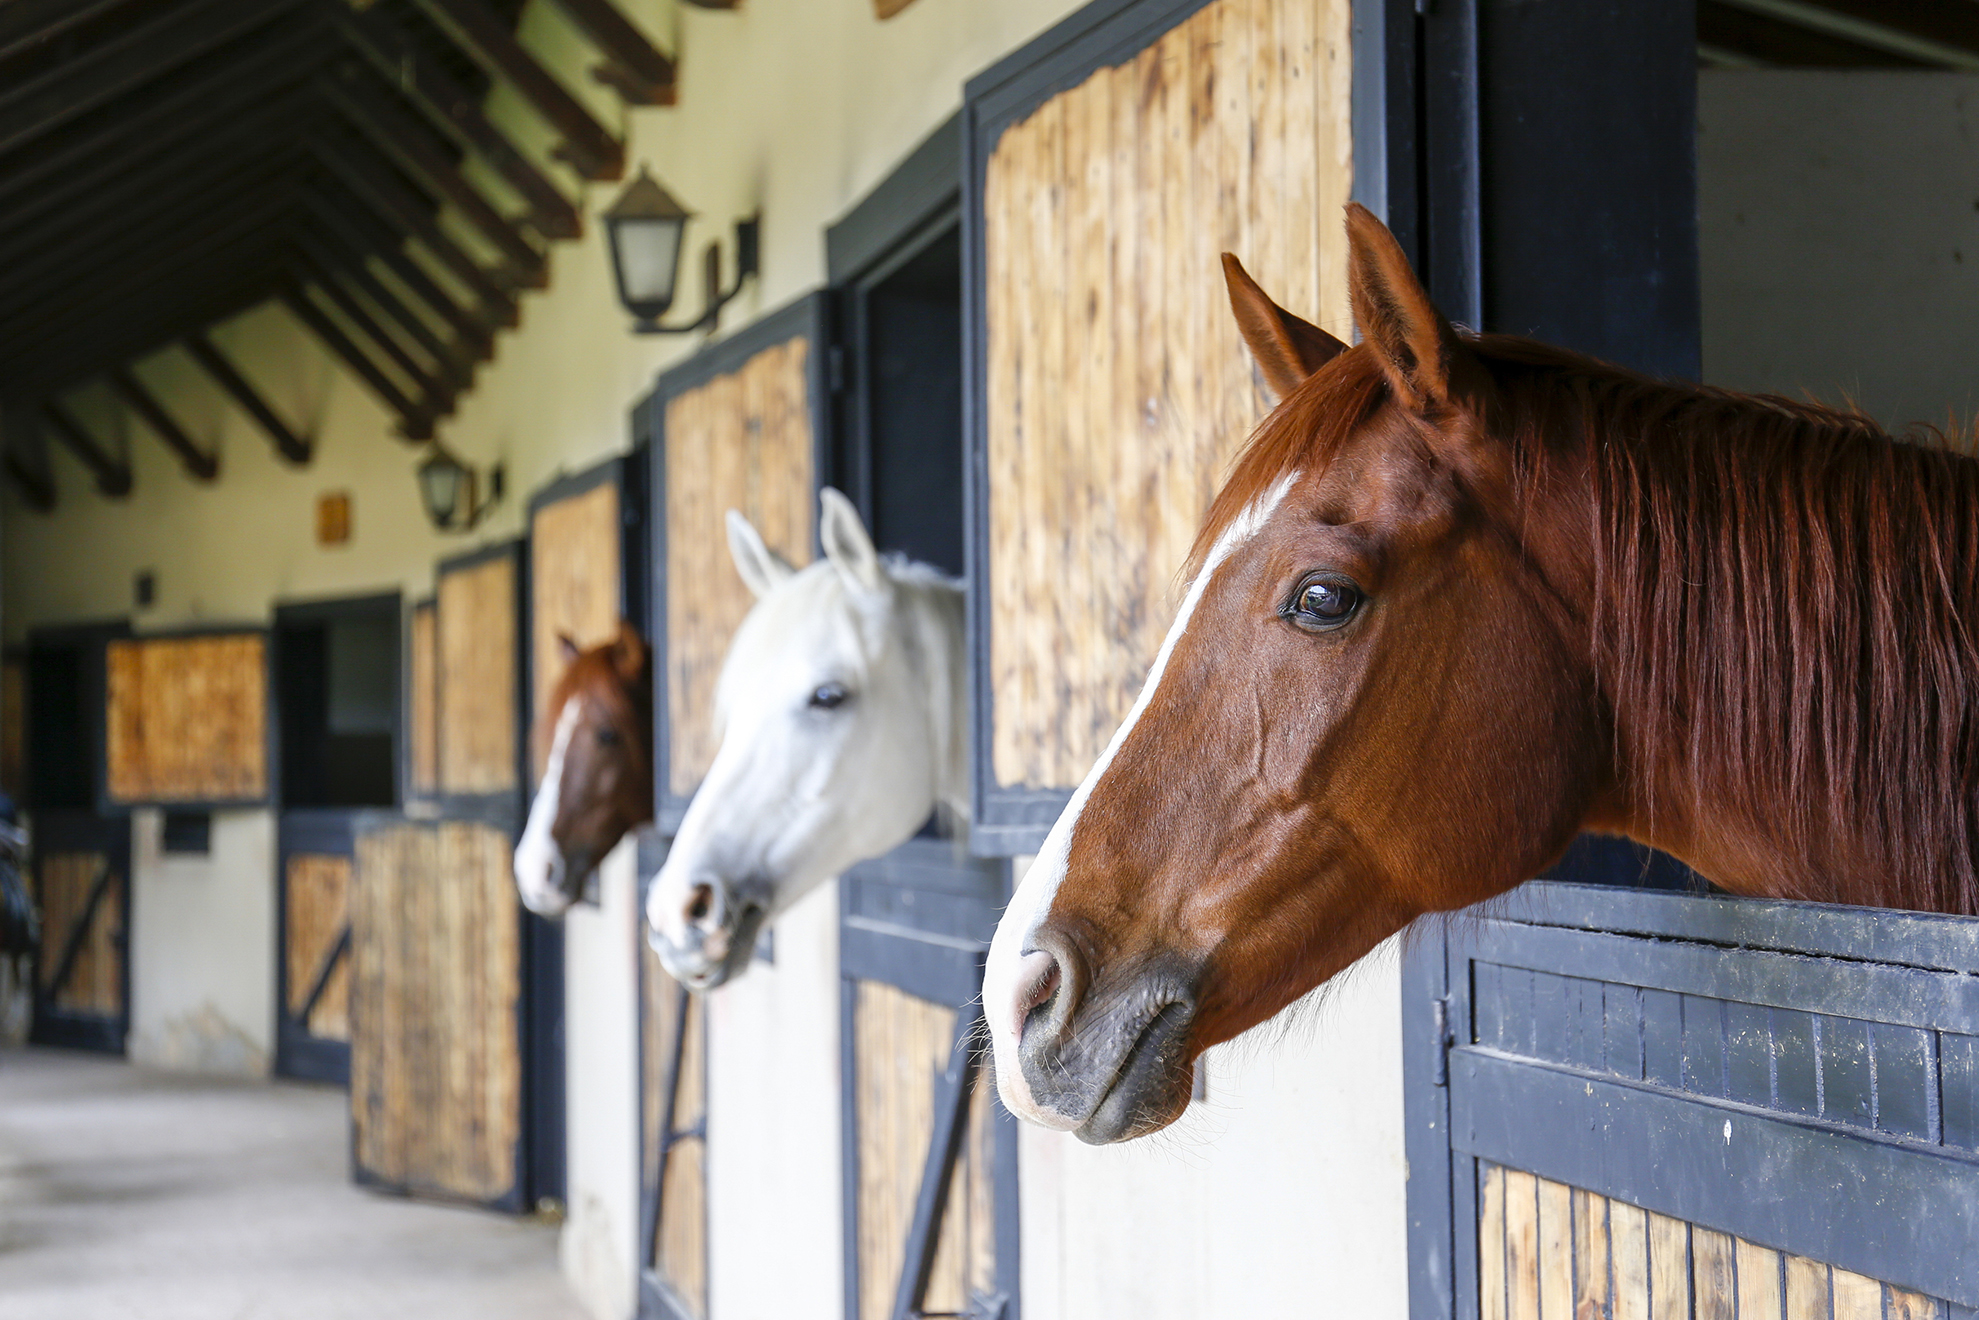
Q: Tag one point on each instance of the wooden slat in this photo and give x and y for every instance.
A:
(1521, 1245)
(1117, 391)
(679, 1252)
(477, 679)
(188, 719)
(1628, 1242)
(1590, 1248)
(436, 1078)
(1807, 1289)
(1556, 1249)
(902, 1046)
(95, 980)
(1856, 1298)
(1760, 1281)
(1713, 1282)
(1669, 1268)
(423, 676)
(1901, 1305)
(318, 907)
(1491, 1242)
(573, 585)
(740, 441)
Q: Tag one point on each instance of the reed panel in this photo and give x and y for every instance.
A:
(478, 690)
(1547, 1251)
(188, 719)
(318, 909)
(71, 888)
(741, 441)
(422, 701)
(678, 1252)
(574, 559)
(901, 1050)
(436, 1062)
(1117, 387)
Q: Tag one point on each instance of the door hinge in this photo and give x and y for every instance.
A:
(1439, 1073)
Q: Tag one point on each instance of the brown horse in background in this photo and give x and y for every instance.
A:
(596, 738)
(1463, 597)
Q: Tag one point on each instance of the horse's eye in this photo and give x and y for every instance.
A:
(607, 736)
(829, 696)
(1323, 603)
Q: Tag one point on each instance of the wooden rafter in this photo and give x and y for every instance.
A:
(112, 474)
(633, 67)
(288, 444)
(438, 381)
(587, 145)
(197, 462)
(415, 420)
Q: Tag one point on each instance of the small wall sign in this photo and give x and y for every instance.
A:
(333, 518)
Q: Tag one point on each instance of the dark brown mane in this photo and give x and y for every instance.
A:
(1781, 616)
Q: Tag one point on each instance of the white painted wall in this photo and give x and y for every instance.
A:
(1838, 216)
(202, 947)
(599, 1246)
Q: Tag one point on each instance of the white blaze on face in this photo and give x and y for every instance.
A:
(538, 860)
(1004, 1000)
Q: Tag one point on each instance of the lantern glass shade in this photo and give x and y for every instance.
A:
(446, 487)
(646, 226)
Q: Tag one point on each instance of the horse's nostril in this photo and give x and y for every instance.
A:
(1037, 985)
(700, 903)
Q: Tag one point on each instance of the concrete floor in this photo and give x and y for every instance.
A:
(127, 1192)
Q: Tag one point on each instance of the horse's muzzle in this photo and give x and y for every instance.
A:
(711, 939)
(1110, 1060)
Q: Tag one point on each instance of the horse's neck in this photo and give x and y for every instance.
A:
(932, 611)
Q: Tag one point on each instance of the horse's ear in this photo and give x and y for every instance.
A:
(628, 652)
(568, 648)
(846, 543)
(762, 568)
(1418, 348)
(1287, 349)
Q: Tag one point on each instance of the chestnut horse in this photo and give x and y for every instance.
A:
(598, 772)
(1463, 597)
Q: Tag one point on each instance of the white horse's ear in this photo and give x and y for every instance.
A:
(846, 543)
(762, 568)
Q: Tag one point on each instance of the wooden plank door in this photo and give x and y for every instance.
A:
(316, 854)
(1109, 163)
(81, 877)
(930, 1154)
(1666, 1105)
(441, 986)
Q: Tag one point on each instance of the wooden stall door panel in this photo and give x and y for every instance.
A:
(93, 981)
(740, 441)
(902, 1048)
(678, 1251)
(1626, 1263)
(187, 719)
(575, 552)
(476, 633)
(13, 729)
(318, 910)
(436, 1053)
(422, 701)
(1117, 388)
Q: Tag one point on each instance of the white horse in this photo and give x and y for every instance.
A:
(842, 713)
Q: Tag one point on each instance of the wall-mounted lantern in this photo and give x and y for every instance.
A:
(648, 228)
(449, 489)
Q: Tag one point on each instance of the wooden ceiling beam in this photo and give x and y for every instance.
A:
(28, 25)
(633, 67)
(112, 474)
(115, 182)
(587, 146)
(369, 110)
(441, 382)
(198, 463)
(415, 422)
(296, 449)
(373, 183)
(145, 53)
(182, 107)
(36, 488)
(1928, 33)
(384, 43)
(139, 290)
(475, 333)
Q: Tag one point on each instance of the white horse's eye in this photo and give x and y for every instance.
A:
(829, 696)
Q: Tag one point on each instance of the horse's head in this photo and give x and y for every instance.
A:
(1374, 703)
(839, 735)
(597, 733)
